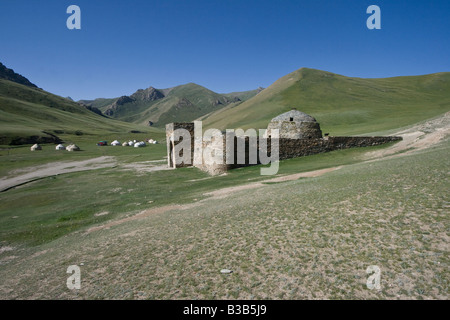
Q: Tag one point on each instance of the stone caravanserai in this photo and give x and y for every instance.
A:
(299, 135)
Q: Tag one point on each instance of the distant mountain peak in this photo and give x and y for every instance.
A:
(123, 99)
(149, 94)
(185, 102)
(9, 74)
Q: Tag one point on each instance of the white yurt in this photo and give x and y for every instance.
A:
(72, 147)
(35, 147)
(60, 147)
(115, 143)
(139, 144)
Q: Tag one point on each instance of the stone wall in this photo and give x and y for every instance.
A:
(292, 148)
(295, 129)
(207, 164)
(171, 157)
(288, 148)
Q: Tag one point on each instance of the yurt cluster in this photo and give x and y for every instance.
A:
(133, 143)
(70, 147)
(74, 147)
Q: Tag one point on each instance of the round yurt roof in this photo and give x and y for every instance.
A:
(36, 147)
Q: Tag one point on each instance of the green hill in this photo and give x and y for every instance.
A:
(342, 105)
(98, 103)
(243, 95)
(160, 106)
(29, 114)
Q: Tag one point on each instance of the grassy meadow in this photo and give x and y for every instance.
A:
(141, 231)
(70, 201)
(28, 112)
(310, 238)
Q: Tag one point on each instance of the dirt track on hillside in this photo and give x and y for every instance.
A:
(224, 192)
(216, 194)
(53, 169)
(418, 137)
(30, 174)
(143, 214)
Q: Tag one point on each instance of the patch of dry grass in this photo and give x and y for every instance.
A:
(311, 238)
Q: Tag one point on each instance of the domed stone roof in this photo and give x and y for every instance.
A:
(294, 124)
(294, 115)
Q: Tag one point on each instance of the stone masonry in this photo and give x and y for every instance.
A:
(300, 135)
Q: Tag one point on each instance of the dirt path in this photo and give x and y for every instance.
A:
(309, 174)
(26, 175)
(146, 166)
(216, 194)
(143, 214)
(418, 137)
(55, 168)
(224, 192)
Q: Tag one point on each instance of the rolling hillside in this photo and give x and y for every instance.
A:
(157, 107)
(342, 105)
(29, 114)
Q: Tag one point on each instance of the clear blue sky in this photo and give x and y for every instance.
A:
(224, 45)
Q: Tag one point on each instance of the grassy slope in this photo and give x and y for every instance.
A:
(163, 187)
(20, 157)
(168, 109)
(26, 111)
(343, 105)
(304, 239)
(99, 103)
(243, 95)
(310, 238)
